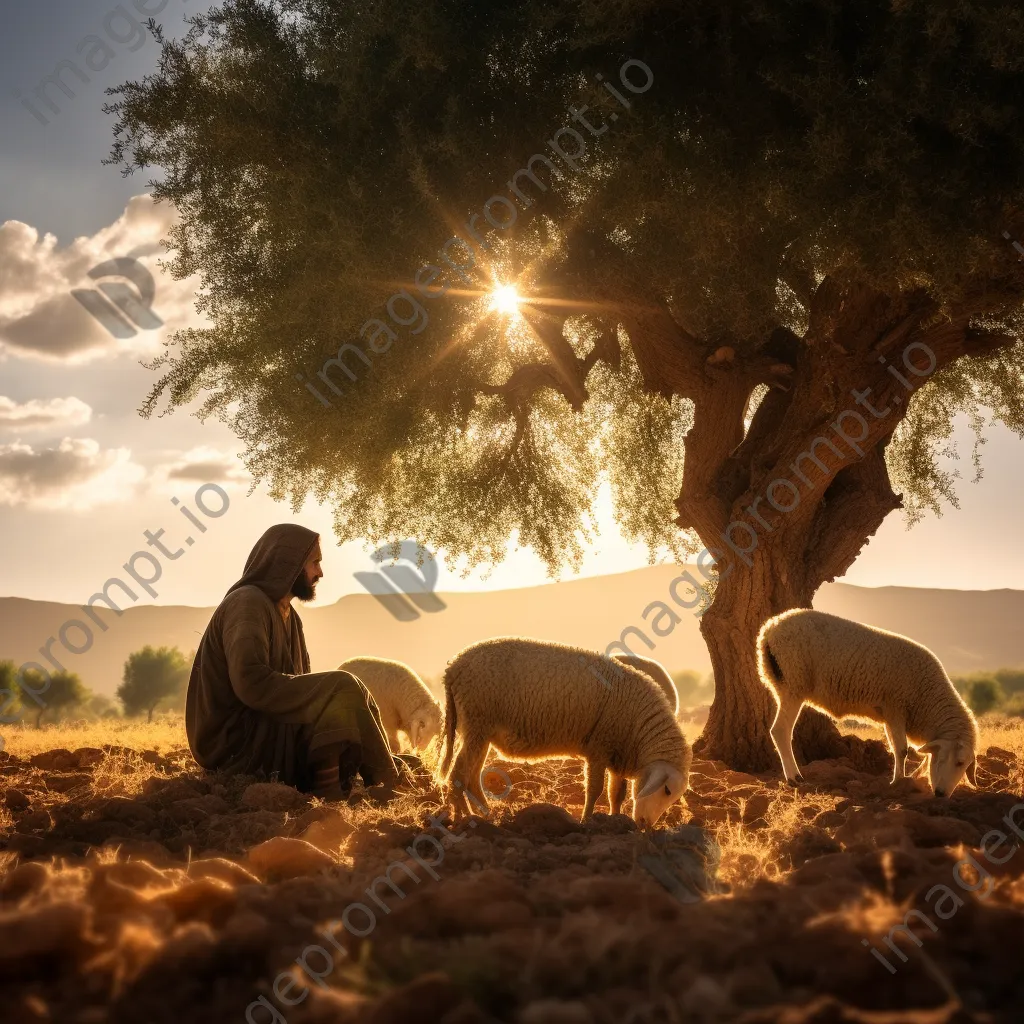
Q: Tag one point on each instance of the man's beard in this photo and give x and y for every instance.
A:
(303, 589)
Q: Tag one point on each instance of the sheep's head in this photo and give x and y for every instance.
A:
(658, 788)
(425, 725)
(949, 761)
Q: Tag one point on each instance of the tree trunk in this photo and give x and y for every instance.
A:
(744, 709)
(39, 718)
(149, 715)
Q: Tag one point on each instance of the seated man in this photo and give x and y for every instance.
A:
(254, 706)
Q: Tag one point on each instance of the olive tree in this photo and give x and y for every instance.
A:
(766, 255)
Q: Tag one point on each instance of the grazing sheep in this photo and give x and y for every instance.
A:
(402, 698)
(533, 699)
(848, 669)
(657, 672)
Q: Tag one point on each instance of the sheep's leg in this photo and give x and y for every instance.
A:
(896, 734)
(782, 736)
(594, 781)
(466, 774)
(617, 786)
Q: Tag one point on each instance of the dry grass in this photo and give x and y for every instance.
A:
(164, 734)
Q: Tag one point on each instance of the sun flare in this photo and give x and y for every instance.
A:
(505, 299)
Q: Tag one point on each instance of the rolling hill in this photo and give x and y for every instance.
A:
(968, 629)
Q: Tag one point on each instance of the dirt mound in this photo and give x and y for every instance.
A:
(134, 887)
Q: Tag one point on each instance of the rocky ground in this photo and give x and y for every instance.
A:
(136, 888)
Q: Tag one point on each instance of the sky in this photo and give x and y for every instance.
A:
(83, 476)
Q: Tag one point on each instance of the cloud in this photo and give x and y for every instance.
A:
(206, 465)
(76, 475)
(37, 414)
(40, 318)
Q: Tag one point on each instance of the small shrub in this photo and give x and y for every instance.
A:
(984, 694)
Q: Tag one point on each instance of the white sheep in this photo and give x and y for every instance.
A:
(532, 699)
(847, 669)
(402, 698)
(657, 672)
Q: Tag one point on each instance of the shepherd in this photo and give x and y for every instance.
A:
(254, 707)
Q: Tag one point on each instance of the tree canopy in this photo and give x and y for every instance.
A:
(37, 695)
(320, 152)
(151, 676)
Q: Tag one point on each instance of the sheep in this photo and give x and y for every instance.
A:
(402, 698)
(657, 672)
(845, 669)
(532, 699)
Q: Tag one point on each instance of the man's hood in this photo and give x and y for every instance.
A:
(277, 559)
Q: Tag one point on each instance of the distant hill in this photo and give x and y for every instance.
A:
(968, 629)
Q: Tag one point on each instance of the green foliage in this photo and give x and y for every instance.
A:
(98, 706)
(63, 692)
(1010, 680)
(317, 152)
(152, 676)
(1001, 690)
(984, 695)
(10, 693)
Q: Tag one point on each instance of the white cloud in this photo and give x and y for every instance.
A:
(76, 475)
(38, 414)
(205, 465)
(40, 318)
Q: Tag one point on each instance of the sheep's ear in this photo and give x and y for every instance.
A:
(971, 772)
(657, 778)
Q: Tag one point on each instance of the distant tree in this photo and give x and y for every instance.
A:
(1011, 680)
(984, 695)
(693, 688)
(10, 701)
(152, 675)
(64, 692)
(99, 705)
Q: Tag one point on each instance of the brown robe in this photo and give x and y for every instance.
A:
(253, 706)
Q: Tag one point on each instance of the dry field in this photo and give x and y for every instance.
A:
(136, 888)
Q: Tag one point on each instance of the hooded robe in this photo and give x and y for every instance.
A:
(253, 705)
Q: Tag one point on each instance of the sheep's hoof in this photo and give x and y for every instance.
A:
(796, 780)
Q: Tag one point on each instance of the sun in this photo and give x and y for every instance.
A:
(505, 299)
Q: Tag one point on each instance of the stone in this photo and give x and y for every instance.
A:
(35, 821)
(221, 869)
(88, 757)
(287, 858)
(544, 820)
(119, 808)
(16, 800)
(273, 796)
(56, 760)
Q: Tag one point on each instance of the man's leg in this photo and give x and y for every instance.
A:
(332, 769)
(350, 717)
